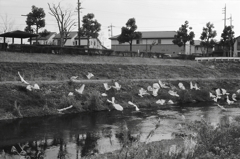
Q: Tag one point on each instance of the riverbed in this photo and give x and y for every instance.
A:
(82, 134)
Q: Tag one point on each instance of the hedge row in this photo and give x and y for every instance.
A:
(50, 49)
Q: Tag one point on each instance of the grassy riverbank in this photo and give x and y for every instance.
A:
(53, 74)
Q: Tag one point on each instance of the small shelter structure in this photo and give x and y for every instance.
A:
(17, 34)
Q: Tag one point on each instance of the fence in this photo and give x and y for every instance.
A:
(217, 58)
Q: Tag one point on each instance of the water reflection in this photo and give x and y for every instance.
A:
(78, 135)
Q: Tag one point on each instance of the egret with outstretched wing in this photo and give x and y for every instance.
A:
(22, 79)
(81, 89)
(106, 86)
(117, 86)
(131, 103)
(161, 101)
(89, 75)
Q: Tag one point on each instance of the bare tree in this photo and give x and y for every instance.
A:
(64, 21)
(8, 24)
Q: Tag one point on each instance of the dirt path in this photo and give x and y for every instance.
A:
(110, 80)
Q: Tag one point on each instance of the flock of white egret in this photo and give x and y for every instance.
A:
(151, 90)
(221, 93)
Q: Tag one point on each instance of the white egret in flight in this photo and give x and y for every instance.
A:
(149, 88)
(106, 86)
(31, 87)
(22, 80)
(70, 94)
(131, 103)
(234, 96)
(117, 86)
(104, 94)
(172, 93)
(73, 78)
(142, 92)
(238, 91)
(161, 101)
(222, 107)
(60, 110)
(81, 89)
(163, 85)
(89, 75)
(211, 95)
(170, 102)
(116, 106)
(194, 86)
(229, 101)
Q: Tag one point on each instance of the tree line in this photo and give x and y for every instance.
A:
(90, 28)
(35, 20)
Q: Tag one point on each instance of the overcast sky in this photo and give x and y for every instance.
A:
(150, 15)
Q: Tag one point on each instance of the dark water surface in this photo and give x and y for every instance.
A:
(76, 135)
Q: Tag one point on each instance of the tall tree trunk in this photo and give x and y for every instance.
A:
(87, 42)
(184, 48)
(130, 45)
(37, 33)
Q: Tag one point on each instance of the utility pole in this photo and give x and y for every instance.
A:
(111, 26)
(79, 30)
(224, 12)
(230, 20)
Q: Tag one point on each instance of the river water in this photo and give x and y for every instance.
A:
(76, 135)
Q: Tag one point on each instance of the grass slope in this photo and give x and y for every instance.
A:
(52, 96)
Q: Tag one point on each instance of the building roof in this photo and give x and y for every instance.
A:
(45, 37)
(197, 42)
(70, 36)
(18, 34)
(154, 34)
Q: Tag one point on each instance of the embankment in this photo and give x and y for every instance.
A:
(54, 73)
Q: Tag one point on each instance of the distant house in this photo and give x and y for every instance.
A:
(72, 40)
(93, 43)
(236, 52)
(45, 40)
(69, 41)
(152, 41)
(196, 48)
